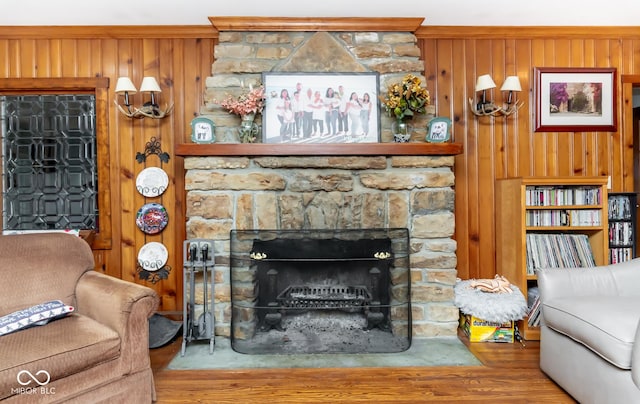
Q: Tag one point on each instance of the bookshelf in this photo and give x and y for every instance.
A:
(558, 206)
(622, 226)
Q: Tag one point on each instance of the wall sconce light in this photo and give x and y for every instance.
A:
(486, 107)
(149, 109)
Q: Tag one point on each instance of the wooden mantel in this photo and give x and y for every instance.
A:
(366, 24)
(319, 149)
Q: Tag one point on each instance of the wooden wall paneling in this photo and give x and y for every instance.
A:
(69, 58)
(538, 140)
(168, 52)
(629, 181)
(4, 58)
(477, 126)
(187, 70)
(560, 152)
(447, 83)
(55, 63)
(616, 140)
(42, 58)
(606, 54)
(489, 141)
(466, 235)
(520, 160)
(107, 64)
(128, 131)
(84, 58)
(148, 63)
(503, 128)
(457, 84)
(27, 58)
(14, 58)
(625, 126)
(630, 140)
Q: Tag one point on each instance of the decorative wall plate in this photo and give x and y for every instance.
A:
(152, 181)
(153, 256)
(152, 218)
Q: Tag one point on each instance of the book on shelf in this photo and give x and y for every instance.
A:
(559, 196)
(533, 317)
(618, 255)
(619, 207)
(533, 303)
(550, 250)
(620, 233)
(563, 217)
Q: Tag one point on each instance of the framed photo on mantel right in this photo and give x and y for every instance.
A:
(571, 99)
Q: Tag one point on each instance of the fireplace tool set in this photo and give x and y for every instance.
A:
(198, 258)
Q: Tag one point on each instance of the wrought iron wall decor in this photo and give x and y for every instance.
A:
(152, 218)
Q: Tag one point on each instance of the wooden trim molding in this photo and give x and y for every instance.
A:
(525, 32)
(108, 31)
(53, 84)
(324, 149)
(366, 24)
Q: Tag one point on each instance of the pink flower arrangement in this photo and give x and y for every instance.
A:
(249, 103)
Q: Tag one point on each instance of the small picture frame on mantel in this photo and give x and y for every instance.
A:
(202, 130)
(439, 130)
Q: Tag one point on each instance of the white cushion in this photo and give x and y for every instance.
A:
(606, 325)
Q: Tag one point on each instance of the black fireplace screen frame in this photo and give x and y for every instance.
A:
(356, 280)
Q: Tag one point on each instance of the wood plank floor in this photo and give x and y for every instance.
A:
(510, 373)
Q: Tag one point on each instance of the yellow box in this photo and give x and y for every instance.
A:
(479, 330)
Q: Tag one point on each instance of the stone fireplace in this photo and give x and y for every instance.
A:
(226, 193)
(262, 187)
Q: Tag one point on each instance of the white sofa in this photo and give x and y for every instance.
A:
(590, 339)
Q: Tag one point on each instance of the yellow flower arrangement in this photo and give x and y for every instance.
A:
(406, 98)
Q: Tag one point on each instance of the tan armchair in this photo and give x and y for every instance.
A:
(99, 352)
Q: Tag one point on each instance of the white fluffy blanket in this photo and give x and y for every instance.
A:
(497, 307)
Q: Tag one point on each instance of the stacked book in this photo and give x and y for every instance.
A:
(533, 302)
(557, 196)
(558, 251)
(621, 233)
(620, 254)
(562, 217)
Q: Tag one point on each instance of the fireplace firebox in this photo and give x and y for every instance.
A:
(320, 291)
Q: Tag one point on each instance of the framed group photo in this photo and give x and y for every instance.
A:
(575, 99)
(321, 108)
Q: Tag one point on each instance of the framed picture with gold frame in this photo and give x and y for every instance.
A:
(569, 99)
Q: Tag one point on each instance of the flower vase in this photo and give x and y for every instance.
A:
(401, 131)
(248, 130)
